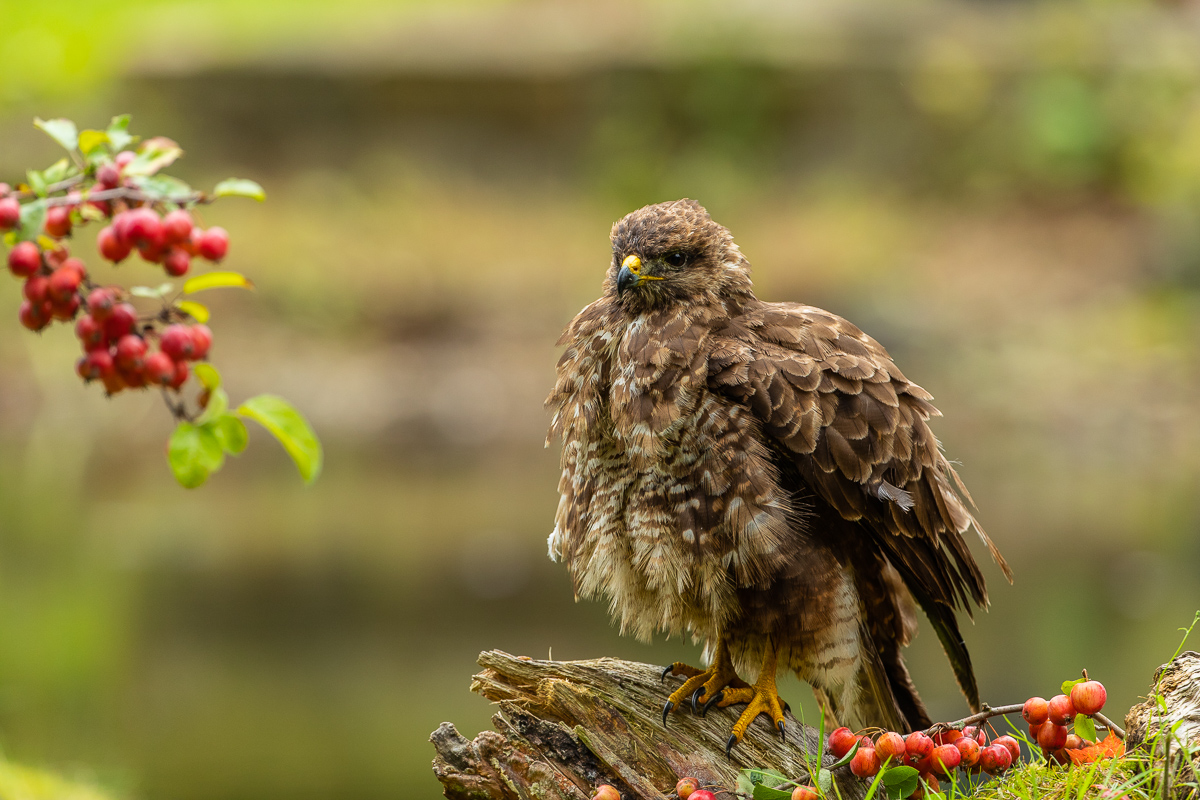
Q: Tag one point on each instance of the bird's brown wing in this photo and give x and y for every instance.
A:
(857, 431)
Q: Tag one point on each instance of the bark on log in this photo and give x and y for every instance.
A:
(563, 727)
(1146, 724)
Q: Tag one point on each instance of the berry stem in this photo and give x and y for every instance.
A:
(178, 410)
(125, 193)
(1000, 711)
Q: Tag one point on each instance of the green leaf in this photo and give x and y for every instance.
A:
(33, 216)
(744, 785)
(91, 141)
(197, 311)
(899, 791)
(825, 782)
(162, 290)
(218, 404)
(239, 187)
(898, 775)
(1085, 727)
(216, 280)
(1068, 685)
(231, 431)
(118, 132)
(767, 793)
(57, 171)
(207, 375)
(164, 187)
(37, 182)
(291, 429)
(60, 130)
(194, 452)
(844, 760)
(771, 776)
(153, 155)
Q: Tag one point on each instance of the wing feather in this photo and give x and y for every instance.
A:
(856, 428)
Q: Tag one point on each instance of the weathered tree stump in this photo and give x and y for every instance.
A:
(1147, 724)
(566, 726)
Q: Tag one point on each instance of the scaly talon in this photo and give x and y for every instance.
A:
(704, 684)
(729, 743)
(762, 698)
(667, 710)
(716, 698)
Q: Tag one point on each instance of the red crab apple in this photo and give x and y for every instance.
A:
(1035, 710)
(58, 221)
(120, 321)
(90, 333)
(160, 369)
(202, 339)
(606, 792)
(1052, 737)
(10, 213)
(36, 288)
(108, 176)
(945, 758)
(841, 741)
(1088, 697)
(1060, 710)
(112, 246)
(702, 794)
(865, 762)
(177, 226)
(1014, 749)
(968, 748)
(213, 244)
(891, 745)
(685, 787)
(804, 793)
(96, 365)
(995, 759)
(34, 317)
(24, 259)
(131, 352)
(918, 745)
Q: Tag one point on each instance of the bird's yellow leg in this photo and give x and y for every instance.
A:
(703, 686)
(763, 698)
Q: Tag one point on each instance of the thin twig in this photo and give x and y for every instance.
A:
(1108, 723)
(987, 713)
(125, 193)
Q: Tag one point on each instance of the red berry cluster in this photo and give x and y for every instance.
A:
(117, 344)
(116, 349)
(1048, 719)
(935, 757)
(171, 240)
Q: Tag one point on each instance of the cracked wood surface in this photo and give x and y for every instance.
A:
(563, 727)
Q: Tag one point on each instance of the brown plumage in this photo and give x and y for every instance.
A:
(760, 475)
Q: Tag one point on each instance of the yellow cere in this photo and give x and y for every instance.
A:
(632, 263)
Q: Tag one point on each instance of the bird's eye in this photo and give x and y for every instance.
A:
(676, 259)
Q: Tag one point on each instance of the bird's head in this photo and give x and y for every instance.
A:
(672, 253)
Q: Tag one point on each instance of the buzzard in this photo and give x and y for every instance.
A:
(759, 475)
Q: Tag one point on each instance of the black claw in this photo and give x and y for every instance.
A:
(782, 734)
(670, 668)
(729, 743)
(716, 698)
(667, 710)
(695, 700)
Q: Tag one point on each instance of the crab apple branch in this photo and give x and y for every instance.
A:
(112, 177)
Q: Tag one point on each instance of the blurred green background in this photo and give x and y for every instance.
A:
(1004, 193)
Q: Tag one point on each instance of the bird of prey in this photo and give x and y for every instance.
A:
(759, 475)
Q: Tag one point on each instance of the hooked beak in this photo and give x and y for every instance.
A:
(631, 274)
